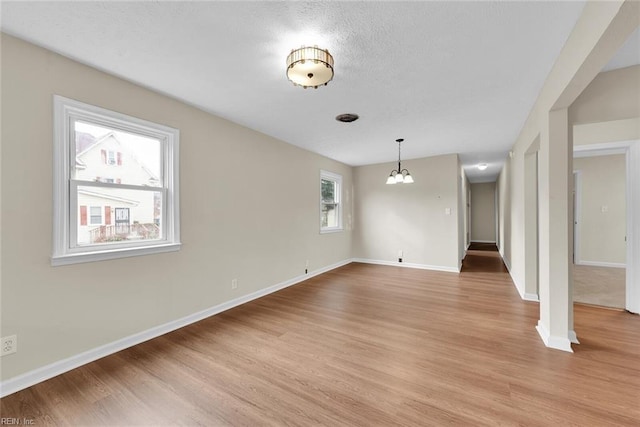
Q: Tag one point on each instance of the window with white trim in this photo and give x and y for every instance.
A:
(330, 202)
(98, 217)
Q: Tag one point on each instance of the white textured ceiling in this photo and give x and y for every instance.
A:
(449, 77)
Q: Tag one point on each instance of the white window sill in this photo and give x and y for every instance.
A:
(331, 230)
(112, 254)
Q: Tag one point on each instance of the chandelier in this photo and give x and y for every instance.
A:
(399, 176)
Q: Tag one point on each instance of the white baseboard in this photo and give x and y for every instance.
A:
(573, 337)
(523, 295)
(558, 343)
(520, 289)
(506, 263)
(602, 264)
(406, 264)
(483, 241)
(44, 373)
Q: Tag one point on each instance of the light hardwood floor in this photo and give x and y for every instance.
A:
(362, 345)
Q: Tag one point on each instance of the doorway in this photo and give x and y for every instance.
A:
(604, 221)
(599, 254)
(482, 213)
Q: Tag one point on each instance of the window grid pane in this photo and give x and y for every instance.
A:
(330, 209)
(328, 191)
(105, 154)
(137, 215)
(329, 215)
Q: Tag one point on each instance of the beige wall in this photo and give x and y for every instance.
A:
(611, 96)
(412, 217)
(504, 213)
(256, 228)
(604, 132)
(483, 212)
(608, 110)
(602, 220)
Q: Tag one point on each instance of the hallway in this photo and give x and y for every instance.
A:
(483, 258)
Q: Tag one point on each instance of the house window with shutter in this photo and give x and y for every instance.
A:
(111, 157)
(145, 192)
(95, 215)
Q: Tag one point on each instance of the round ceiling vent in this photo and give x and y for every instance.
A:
(347, 118)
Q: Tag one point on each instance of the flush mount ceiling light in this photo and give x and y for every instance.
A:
(310, 67)
(399, 176)
(482, 166)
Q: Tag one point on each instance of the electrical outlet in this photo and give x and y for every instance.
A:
(399, 259)
(9, 345)
(234, 284)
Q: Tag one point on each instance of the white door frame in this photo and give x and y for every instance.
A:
(631, 150)
(577, 213)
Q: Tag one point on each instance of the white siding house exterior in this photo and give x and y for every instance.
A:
(111, 213)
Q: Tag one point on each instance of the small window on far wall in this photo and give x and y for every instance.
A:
(88, 142)
(330, 202)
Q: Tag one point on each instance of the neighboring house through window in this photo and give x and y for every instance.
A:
(110, 157)
(330, 202)
(102, 218)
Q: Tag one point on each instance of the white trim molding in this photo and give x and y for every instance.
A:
(633, 228)
(602, 149)
(406, 265)
(519, 288)
(602, 264)
(531, 297)
(506, 263)
(573, 337)
(44, 373)
(483, 241)
(577, 215)
(558, 343)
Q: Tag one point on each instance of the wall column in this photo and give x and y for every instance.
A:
(531, 226)
(555, 159)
